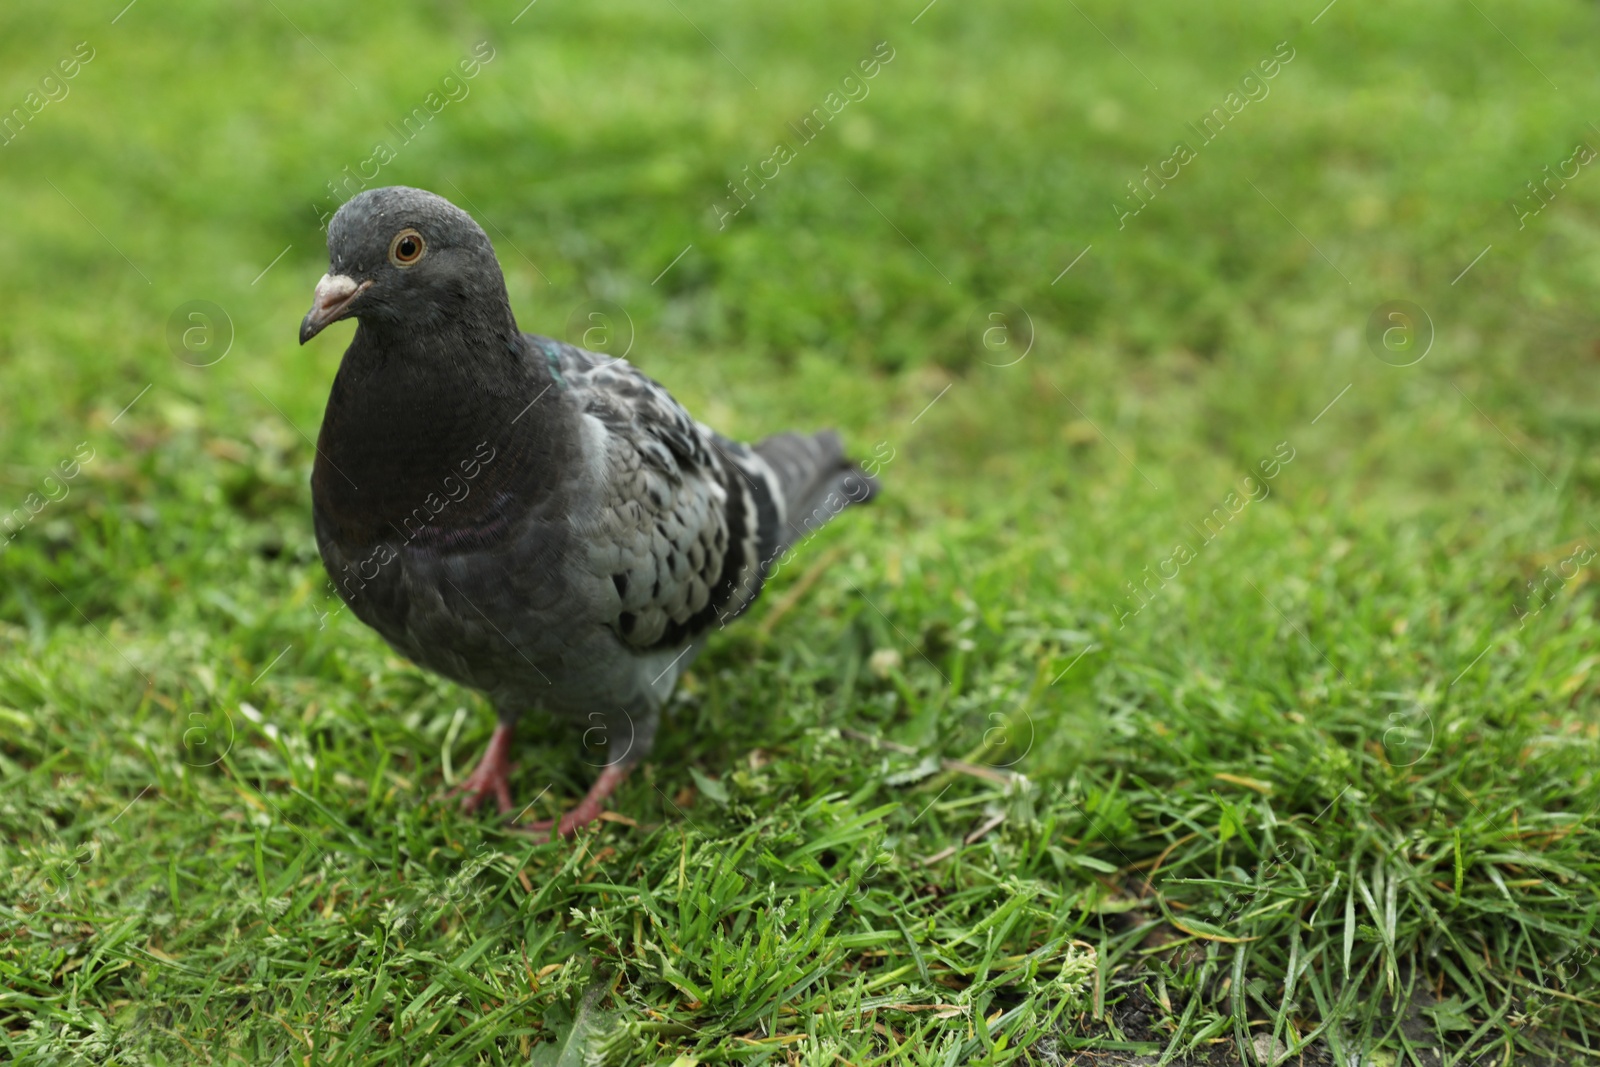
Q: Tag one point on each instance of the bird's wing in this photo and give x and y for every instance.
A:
(684, 522)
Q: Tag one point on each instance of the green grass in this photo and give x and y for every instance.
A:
(944, 797)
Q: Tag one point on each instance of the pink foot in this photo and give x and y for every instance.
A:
(490, 775)
(587, 810)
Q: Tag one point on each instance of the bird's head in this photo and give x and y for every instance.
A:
(404, 261)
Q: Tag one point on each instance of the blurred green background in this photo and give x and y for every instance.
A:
(1387, 660)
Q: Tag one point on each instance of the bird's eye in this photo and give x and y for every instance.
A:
(406, 248)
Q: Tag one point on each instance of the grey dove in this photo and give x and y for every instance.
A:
(539, 522)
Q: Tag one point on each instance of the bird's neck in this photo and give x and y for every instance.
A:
(435, 439)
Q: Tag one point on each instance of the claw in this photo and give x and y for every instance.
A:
(490, 775)
(587, 810)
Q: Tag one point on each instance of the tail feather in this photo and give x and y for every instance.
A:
(816, 480)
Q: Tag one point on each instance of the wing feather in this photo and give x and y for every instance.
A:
(688, 520)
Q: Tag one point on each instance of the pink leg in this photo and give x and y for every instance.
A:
(588, 809)
(489, 776)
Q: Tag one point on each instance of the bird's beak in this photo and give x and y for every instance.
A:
(330, 303)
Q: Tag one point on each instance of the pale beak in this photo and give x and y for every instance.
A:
(330, 303)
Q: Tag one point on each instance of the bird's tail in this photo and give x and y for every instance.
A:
(816, 480)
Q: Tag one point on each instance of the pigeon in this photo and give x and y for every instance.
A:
(535, 521)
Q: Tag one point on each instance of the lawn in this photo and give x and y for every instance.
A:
(1214, 680)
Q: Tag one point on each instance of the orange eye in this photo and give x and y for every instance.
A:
(406, 248)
